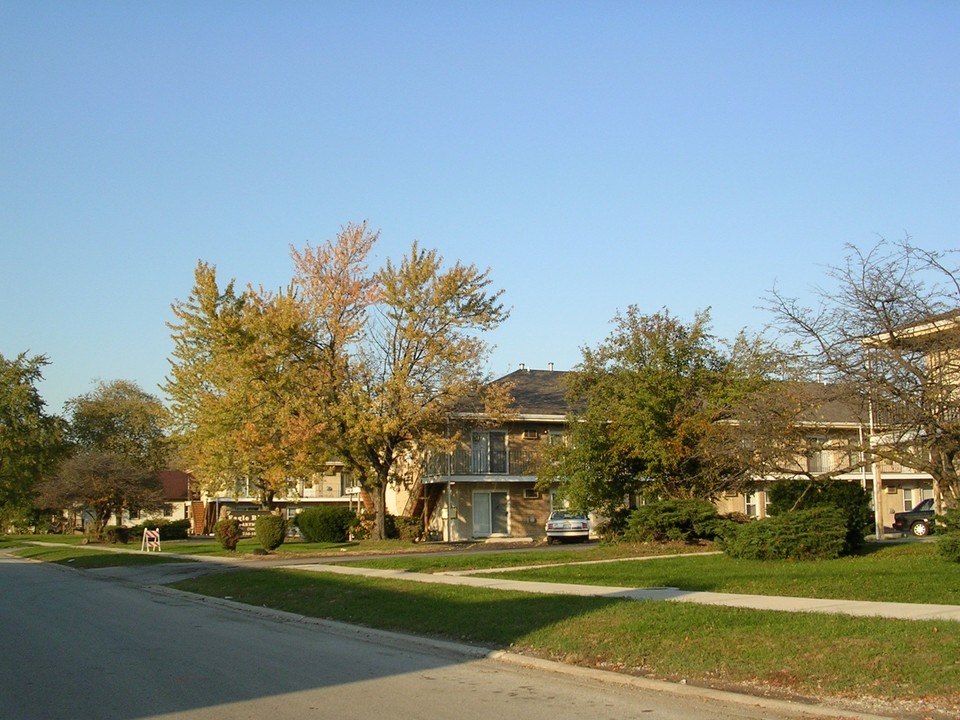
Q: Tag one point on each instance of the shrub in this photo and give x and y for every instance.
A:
(114, 534)
(948, 546)
(948, 536)
(271, 531)
(169, 529)
(677, 520)
(408, 528)
(815, 534)
(326, 524)
(612, 528)
(848, 497)
(228, 533)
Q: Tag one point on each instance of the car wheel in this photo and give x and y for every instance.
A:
(919, 529)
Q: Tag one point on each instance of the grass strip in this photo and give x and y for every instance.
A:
(805, 654)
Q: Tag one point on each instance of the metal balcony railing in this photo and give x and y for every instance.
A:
(496, 462)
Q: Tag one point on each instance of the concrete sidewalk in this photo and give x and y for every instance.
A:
(902, 611)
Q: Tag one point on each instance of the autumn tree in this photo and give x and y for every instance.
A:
(396, 350)
(31, 442)
(886, 326)
(118, 445)
(236, 409)
(350, 362)
(649, 404)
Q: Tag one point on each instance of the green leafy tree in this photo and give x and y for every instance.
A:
(120, 418)
(118, 446)
(650, 405)
(31, 442)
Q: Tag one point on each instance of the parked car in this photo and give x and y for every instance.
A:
(566, 524)
(918, 521)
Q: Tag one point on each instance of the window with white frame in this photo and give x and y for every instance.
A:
(819, 459)
(756, 505)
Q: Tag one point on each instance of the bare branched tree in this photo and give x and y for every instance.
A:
(887, 328)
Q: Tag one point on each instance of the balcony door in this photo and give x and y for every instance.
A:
(489, 452)
(490, 514)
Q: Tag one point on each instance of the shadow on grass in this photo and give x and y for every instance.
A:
(493, 617)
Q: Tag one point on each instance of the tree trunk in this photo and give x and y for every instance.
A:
(379, 496)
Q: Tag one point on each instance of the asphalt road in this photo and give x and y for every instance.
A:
(82, 645)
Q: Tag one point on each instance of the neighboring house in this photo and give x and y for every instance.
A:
(176, 498)
(486, 487)
(332, 487)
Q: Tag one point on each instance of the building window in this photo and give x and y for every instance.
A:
(818, 458)
(756, 504)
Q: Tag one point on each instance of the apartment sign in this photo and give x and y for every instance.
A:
(248, 521)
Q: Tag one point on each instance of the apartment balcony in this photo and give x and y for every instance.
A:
(464, 462)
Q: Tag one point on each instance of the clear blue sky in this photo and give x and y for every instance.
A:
(592, 154)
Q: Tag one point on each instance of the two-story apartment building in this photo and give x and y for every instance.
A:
(486, 488)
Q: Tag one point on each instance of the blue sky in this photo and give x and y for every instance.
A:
(593, 155)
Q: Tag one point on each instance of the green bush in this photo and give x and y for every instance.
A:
(169, 529)
(408, 528)
(815, 534)
(848, 497)
(271, 531)
(113, 534)
(326, 524)
(677, 520)
(948, 536)
(228, 533)
(948, 546)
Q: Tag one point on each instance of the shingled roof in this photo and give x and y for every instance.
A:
(543, 392)
(538, 392)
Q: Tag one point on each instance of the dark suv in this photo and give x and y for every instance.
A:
(918, 521)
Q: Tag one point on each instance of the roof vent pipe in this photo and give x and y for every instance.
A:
(550, 367)
(523, 366)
